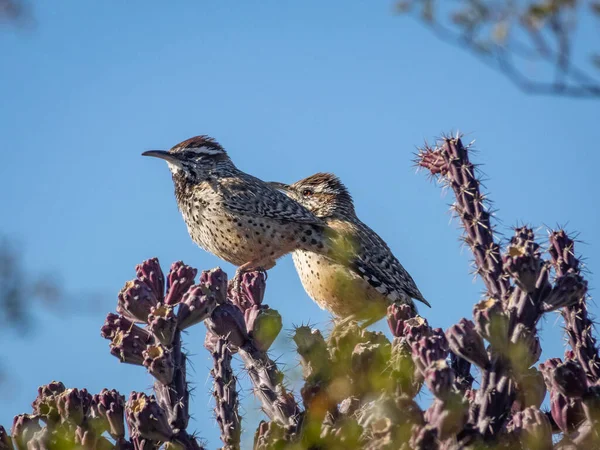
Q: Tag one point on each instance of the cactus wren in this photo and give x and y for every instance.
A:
(233, 215)
(362, 277)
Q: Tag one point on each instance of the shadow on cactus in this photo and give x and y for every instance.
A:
(359, 387)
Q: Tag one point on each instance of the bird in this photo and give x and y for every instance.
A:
(360, 277)
(233, 215)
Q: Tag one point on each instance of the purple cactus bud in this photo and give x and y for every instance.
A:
(45, 403)
(253, 285)
(415, 329)
(150, 273)
(263, 325)
(23, 429)
(162, 323)
(129, 345)
(567, 412)
(227, 321)
(73, 405)
(5, 440)
(522, 259)
(547, 368)
(491, 322)
(424, 438)
(464, 340)
(135, 301)
(179, 280)
(568, 290)
(146, 419)
(110, 406)
(428, 350)
(439, 378)
(570, 354)
(569, 379)
(198, 303)
(397, 315)
(215, 280)
(159, 362)
(532, 428)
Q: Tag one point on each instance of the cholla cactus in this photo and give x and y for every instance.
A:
(359, 387)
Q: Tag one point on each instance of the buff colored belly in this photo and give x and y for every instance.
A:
(336, 289)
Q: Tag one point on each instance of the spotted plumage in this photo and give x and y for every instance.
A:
(361, 277)
(233, 215)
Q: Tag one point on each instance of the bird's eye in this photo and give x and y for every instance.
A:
(307, 193)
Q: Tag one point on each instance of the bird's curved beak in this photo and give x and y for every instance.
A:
(281, 186)
(169, 157)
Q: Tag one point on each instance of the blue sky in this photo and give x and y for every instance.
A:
(289, 89)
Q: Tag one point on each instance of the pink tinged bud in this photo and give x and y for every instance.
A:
(159, 362)
(415, 329)
(198, 304)
(23, 430)
(522, 259)
(109, 406)
(439, 378)
(568, 290)
(567, 412)
(146, 419)
(569, 379)
(215, 281)
(464, 340)
(227, 321)
(428, 350)
(128, 345)
(45, 403)
(253, 286)
(73, 405)
(179, 280)
(135, 301)
(150, 273)
(449, 416)
(532, 428)
(547, 368)
(162, 323)
(396, 316)
(263, 325)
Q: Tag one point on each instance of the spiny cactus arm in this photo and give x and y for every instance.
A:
(449, 160)
(579, 326)
(225, 392)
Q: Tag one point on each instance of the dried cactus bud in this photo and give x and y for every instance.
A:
(109, 406)
(227, 321)
(128, 345)
(522, 259)
(263, 325)
(567, 412)
(464, 340)
(150, 273)
(439, 378)
(135, 301)
(491, 322)
(162, 323)
(428, 350)
(179, 280)
(532, 428)
(159, 362)
(146, 418)
(568, 290)
(397, 315)
(5, 440)
(73, 405)
(424, 438)
(569, 379)
(215, 280)
(198, 304)
(23, 429)
(44, 405)
(415, 329)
